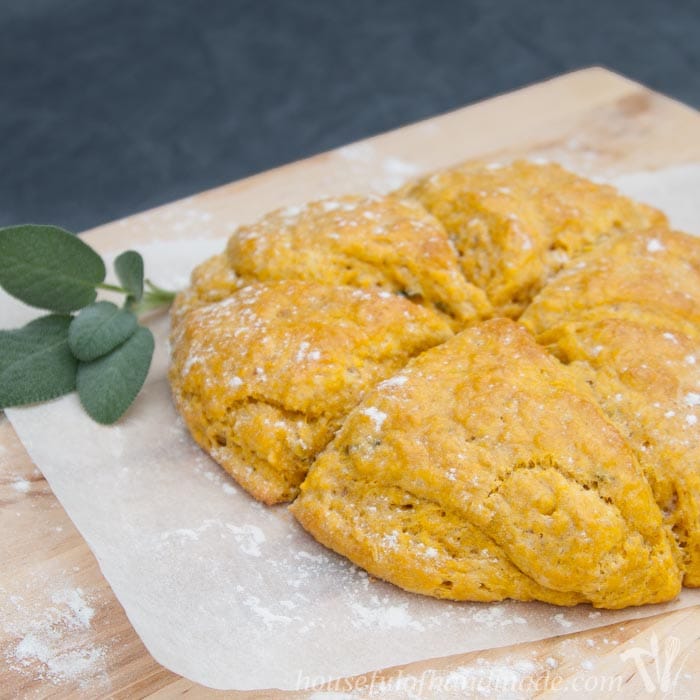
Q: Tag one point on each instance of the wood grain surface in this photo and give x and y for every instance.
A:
(593, 120)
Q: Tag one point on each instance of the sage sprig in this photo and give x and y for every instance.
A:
(47, 267)
(102, 350)
(36, 363)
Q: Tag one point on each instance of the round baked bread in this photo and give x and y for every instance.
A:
(558, 463)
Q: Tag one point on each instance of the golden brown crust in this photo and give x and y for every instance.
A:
(264, 377)
(366, 242)
(515, 461)
(516, 225)
(211, 281)
(647, 379)
(474, 471)
(628, 312)
(655, 270)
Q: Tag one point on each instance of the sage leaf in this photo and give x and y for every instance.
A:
(36, 363)
(129, 269)
(108, 386)
(98, 329)
(48, 267)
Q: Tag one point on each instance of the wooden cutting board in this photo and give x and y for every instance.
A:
(593, 120)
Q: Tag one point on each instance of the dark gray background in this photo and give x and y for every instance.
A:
(108, 107)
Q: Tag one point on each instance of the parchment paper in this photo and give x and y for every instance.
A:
(233, 594)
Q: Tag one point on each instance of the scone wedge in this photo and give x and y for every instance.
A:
(372, 242)
(516, 225)
(656, 270)
(264, 377)
(485, 470)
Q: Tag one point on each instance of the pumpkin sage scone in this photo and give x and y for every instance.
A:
(515, 225)
(368, 242)
(264, 377)
(486, 470)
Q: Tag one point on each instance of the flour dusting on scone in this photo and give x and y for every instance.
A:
(264, 378)
(657, 270)
(557, 459)
(515, 225)
(492, 474)
(630, 311)
(211, 281)
(367, 242)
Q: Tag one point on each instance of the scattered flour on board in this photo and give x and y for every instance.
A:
(495, 616)
(22, 485)
(358, 152)
(269, 618)
(382, 173)
(248, 537)
(54, 642)
(670, 190)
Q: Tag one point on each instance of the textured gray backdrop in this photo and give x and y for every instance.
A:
(108, 107)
